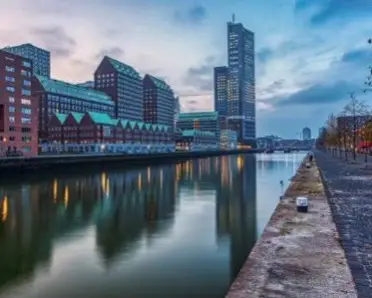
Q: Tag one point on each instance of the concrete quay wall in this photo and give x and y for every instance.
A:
(55, 162)
(298, 254)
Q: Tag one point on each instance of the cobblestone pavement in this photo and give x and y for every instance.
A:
(349, 189)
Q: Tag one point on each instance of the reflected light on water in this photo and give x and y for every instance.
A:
(55, 190)
(4, 209)
(66, 196)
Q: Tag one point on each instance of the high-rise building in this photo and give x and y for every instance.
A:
(18, 111)
(220, 90)
(203, 121)
(56, 96)
(40, 58)
(177, 111)
(124, 84)
(158, 99)
(241, 106)
(306, 134)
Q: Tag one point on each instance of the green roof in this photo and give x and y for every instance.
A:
(67, 89)
(159, 83)
(123, 123)
(194, 132)
(198, 116)
(77, 116)
(102, 118)
(124, 68)
(61, 117)
(148, 126)
(132, 124)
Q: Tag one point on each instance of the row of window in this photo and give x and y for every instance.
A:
(12, 89)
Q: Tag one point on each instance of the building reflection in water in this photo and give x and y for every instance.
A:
(124, 207)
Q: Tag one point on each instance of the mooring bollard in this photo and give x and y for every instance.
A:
(308, 165)
(282, 186)
(302, 204)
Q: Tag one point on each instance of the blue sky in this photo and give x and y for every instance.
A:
(310, 53)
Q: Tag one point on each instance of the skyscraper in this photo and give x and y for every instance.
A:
(306, 134)
(241, 105)
(40, 58)
(220, 90)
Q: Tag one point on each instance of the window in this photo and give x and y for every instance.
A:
(25, 101)
(25, 73)
(26, 111)
(9, 68)
(25, 120)
(27, 83)
(12, 138)
(12, 128)
(11, 119)
(10, 89)
(26, 64)
(10, 79)
(26, 149)
(11, 99)
(25, 129)
(26, 139)
(26, 92)
(9, 58)
(11, 109)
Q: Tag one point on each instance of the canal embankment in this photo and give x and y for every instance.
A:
(298, 254)
(19, 165)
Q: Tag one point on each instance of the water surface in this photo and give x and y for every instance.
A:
(177, 230)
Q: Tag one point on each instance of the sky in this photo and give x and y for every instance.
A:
(310, 54)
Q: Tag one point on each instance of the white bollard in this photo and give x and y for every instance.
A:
(308, 165)
(302, 204)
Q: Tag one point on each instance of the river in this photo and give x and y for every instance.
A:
(177, 230)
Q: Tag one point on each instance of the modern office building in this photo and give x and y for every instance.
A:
(197, 140)
(220, 90)
(234, 85)
(56, 96)
(203, 121)
(18, 111)
(158, 100)
(306, 134)
(177, 111)
(40, 58)
(124, 84)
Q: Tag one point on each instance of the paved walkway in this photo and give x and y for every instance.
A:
(299, 254)
(349, 190)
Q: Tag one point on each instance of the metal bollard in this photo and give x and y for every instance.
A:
(302, 204)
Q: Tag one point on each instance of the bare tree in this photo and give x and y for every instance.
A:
(356, 113)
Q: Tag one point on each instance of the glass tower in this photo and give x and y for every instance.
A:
(241, 102)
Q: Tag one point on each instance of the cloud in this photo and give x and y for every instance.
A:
(196, 14)
(320, 94)
(264, 54)
(114, 52)
(334, 9)
(56, 40)
(200, 78)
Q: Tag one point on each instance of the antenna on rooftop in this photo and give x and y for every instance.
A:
(233, 17)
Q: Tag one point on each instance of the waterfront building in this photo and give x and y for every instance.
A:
(203, 121)
(220, 90)
(306, 134)
(241, 106)
(158, 100)
(228, 139)
(40, 57)
(124, 84)
(177, 111)
(18, 111)
(60, 97)
(93, 132)
(197, 140)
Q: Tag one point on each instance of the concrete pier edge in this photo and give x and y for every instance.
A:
(298, 254)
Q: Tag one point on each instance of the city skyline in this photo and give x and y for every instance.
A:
(300, 64)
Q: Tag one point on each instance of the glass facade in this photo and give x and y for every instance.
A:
(40, 58)
(241, 104)
(220, 90)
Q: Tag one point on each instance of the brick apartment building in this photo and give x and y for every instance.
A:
(18, 111)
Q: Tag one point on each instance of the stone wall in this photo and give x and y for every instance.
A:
(298, 254)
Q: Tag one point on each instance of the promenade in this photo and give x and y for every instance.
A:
(349, 188)
(298, 254)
